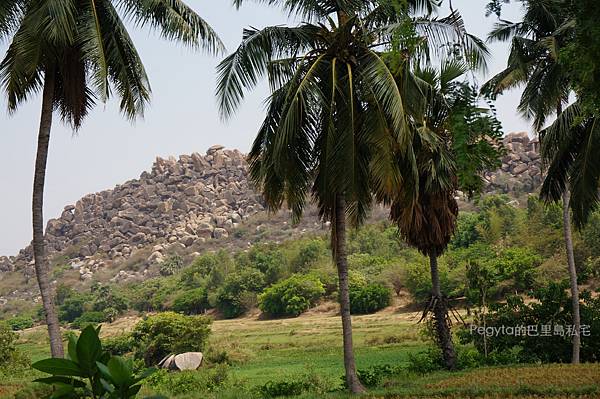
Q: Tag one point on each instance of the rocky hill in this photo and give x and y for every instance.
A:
(194, 200)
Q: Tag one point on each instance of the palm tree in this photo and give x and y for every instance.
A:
(335, 119)
(452, 151)
(569, 148)
(77, 52)
(533, 63)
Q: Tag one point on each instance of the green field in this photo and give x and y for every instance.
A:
(276, 350)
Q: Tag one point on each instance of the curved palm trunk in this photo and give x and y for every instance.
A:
(341, 261)
(440, 313)
(572, 275)
(39, 246)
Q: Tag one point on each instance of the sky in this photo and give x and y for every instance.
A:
(182, 118)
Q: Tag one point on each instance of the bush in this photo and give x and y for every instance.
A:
(190, 382)
(208, 270)
(308, 256)
(274, 389)
(292, 296)
(171, 265)
(238, 292)
(88, 318)
(426, 361)
(19, 323)
(268, 259)
(374, 376)
(11, 359)
(72, 308)
(369, 299)
(191, 302)
(118, 346)
(169, 333)
(549, 340)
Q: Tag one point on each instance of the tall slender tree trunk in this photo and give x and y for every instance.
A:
(440, 313)
(341, 261)
(572, 275)
(39, 245)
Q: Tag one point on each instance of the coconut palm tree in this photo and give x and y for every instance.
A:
(533, 63)
(78, 52)
(456, 141)
(335, 119)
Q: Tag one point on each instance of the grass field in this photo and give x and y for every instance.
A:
(274, 350)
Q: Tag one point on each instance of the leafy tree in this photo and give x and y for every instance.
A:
(335, 115)
(208, 270)
(467, 230)
(292, 296)
(72, 308)
(76, 53)
(191, 302)
(268, 259)
(169, 333)
(239, 292)
(308, 255)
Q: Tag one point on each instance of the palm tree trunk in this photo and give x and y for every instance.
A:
(39, 246)
(341, 261)
(572, 275)
(440, 313)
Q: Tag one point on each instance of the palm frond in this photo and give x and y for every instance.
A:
(175, 20)
(241, 70)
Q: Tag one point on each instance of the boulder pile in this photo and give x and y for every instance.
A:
(196, 198)
(521, 170)
(186, 200)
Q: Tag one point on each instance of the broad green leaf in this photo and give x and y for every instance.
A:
(104, 371)
(107, 385)
(89, 349)
(72, 348)
(64, 367)
(61, 380)
(120, 370)
(63, 391)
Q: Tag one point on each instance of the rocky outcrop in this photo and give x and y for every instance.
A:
(195, 198)
(521, 170)
(187, 200)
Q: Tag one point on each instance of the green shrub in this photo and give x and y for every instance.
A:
(369, 299)
(88, 318)
(549, 340)
(119, 345)
(72, 308)
(267, 258)
(169, 333)
(374, 376)
(171, 265)
(105, 298)
(18, 323)
(191, 302)
(238, 293)
(190, 382)
(208, 270)
(11, 359)
(292, 296)
(426, 361)
(274, 389)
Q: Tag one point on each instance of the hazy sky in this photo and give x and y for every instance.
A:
(181, 119)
